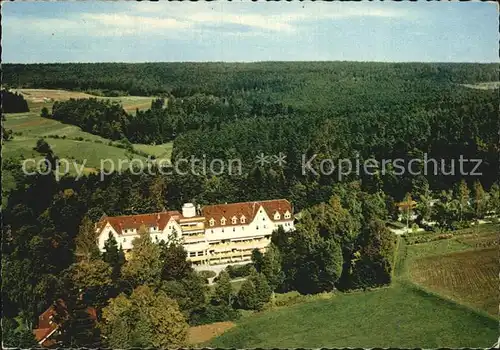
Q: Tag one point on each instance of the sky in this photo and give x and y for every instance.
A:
(234, 31)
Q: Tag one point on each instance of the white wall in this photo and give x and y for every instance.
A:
(261, 220)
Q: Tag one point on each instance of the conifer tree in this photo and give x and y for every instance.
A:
(114, 256)
(247, 296)
(223, 294)
(80, 330)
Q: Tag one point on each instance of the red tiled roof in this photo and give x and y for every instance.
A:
(120, 223)
(50, 320)
(247, 209)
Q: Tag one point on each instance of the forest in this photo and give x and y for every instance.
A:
(333, 110)
(13, 102)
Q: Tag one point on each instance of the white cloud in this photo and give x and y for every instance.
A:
(128, 24)
(181, 20)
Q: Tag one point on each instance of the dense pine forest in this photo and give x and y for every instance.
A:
(332, 110)
(13, 102)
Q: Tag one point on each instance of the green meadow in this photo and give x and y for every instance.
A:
(412, 312)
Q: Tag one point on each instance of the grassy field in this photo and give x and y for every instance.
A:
(399, 316)
(39, 98)
(484, 86)
(440, 296)
(80, 148)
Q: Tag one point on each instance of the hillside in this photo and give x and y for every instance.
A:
(80, 148)
(417, 310)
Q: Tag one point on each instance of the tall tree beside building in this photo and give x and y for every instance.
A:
(92, 280)
(80, 330)
(175, 265)
(144, 265)
(247, 296)
(85, 241)
(271, 267)
(147, 318)
(223, 292)
(114, 256)
(374, 264)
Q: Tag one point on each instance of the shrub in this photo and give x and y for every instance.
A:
(238, 271)
(247, 296)
(206, 274)
(214, 313)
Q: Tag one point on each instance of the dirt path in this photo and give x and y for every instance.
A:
(201, 334)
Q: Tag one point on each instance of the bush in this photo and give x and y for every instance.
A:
(238, 271)
(214, 313)
(288, 299)
(206, 274)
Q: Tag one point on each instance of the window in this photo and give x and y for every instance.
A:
(257, 227)
(222, 230)
(242, 219)
(124, 240)
(191, 254)
(212, 221)
(263, 219)
(126, 230)
(223, 221)
(287, 215)
(265, 226)
(170, 227)
(211, 231)
(242, 228)
(234, 229)
(234, 220)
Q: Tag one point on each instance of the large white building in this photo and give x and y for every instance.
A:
(214, 234)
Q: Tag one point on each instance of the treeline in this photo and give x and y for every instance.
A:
(12, 102)
(298, 80)
(100, 117)
(164, 120)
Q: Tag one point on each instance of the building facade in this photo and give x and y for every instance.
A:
(214, 234)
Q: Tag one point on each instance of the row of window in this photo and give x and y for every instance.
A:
(288, 224)
(234, 220)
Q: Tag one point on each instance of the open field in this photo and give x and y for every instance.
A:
(200, 334)
(422, 308)
(67, 141)
(469, 277)
(39, 98)
(484, 86)
(399, 316)
(463, 268)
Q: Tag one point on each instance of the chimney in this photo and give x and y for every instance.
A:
(188, 210)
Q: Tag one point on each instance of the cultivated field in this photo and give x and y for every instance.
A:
(469, 277)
